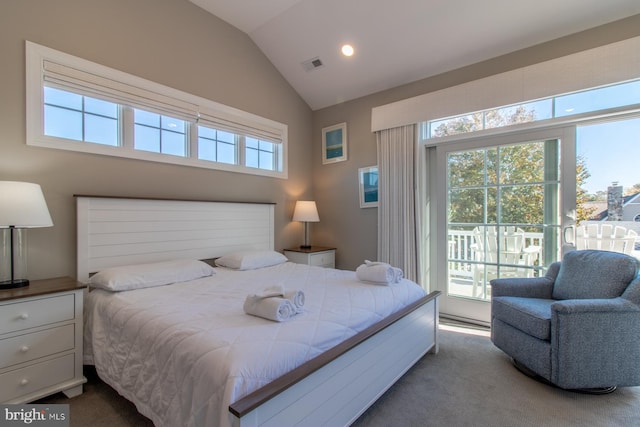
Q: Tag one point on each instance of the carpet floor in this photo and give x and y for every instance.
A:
(468, 383)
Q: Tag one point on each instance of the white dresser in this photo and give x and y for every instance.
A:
(315, 255)
(41, 340)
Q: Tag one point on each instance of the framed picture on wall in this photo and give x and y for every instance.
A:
(334, 143)
(368, 183)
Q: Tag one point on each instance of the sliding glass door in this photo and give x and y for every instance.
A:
(500, 213)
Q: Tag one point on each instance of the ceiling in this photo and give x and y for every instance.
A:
(399, 41)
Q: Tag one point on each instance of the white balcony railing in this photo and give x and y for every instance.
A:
(461, 251)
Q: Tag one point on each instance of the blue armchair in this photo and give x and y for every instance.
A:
(579, 326)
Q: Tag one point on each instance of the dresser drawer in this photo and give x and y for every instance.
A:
(36, 312)
(24, 348)
(323, 259)
(36, 377)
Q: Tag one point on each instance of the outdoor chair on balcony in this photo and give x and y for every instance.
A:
(605, 237)
(577, 327)
(507, 249)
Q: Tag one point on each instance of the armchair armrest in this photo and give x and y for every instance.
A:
(608, 307)
(594, 343)
(527, 287)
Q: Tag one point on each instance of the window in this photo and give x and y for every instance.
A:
(260, 154)
(81, 118)
(73, 104)
(586, 101)
(159, 134)
(216, 146)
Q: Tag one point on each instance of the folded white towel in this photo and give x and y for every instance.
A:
(379, 273)
(399, 274)
(297, 298)
(271, 291)
(271, 308)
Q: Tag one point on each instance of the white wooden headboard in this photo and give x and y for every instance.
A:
(123, 231)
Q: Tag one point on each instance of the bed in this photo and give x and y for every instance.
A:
(162, 347)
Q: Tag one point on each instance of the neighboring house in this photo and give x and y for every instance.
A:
(628, 210)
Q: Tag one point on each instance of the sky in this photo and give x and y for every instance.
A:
(612, 153)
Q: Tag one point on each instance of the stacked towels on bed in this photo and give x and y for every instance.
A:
(379, 273)
(275, 303)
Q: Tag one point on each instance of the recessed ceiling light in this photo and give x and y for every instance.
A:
(347, 50)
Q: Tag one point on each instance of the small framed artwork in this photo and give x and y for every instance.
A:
(368, 182)
(334, 143)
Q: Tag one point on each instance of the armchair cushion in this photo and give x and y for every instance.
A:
(592, 274)
(530, 315)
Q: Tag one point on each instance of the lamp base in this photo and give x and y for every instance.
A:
(12, 284)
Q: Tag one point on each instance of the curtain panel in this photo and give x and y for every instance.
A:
(399, 217)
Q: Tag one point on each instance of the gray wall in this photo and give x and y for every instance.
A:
(175, 43)
(353, 231)
(172, 42)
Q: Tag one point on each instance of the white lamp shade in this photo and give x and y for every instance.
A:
(306, 211)
(22, 205)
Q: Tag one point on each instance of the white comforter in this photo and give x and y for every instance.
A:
(183, 352)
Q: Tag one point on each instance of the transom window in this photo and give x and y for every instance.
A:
(217, 146)
(159, 134)
(80, 118)
(586, 101)
(78, 105)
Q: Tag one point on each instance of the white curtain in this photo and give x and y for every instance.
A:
(400, 218)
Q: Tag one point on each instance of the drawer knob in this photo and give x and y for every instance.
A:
(24, 316)
(24, 348)
(24, 381)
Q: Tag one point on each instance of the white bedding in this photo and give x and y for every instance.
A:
(183, 352)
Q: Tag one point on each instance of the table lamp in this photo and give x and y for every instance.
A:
(22, 206)
(306, 212)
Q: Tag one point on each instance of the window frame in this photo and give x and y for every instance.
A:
(207, 113)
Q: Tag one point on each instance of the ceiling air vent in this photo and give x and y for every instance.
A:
(312, 64)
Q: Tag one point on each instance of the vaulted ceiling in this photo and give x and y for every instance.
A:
(399, 41)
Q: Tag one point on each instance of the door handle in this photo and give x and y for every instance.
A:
(569, 235)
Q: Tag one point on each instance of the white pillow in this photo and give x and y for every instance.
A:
(139, 276)
(251, 260)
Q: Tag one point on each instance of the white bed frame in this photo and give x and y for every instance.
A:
(333, 389)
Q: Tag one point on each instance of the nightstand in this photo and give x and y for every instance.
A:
(315, 255)
(41, 340)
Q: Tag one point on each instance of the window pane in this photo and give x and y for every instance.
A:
(99, 107)
(457, 125)
(101, 130)
(466, 168)
(226, 137)
(227, 153)
(62, 98)
(466, 206)
(252, 143)
(522, 204)
(146, 118)
(206, 149)
(598, 99)
(266, 146)
(266, 160)
(173, 143)
(176, 125)
(522, 163)
(252, 159)
(62, 123)
(515, 114)
(205, 132)
(147, 139)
